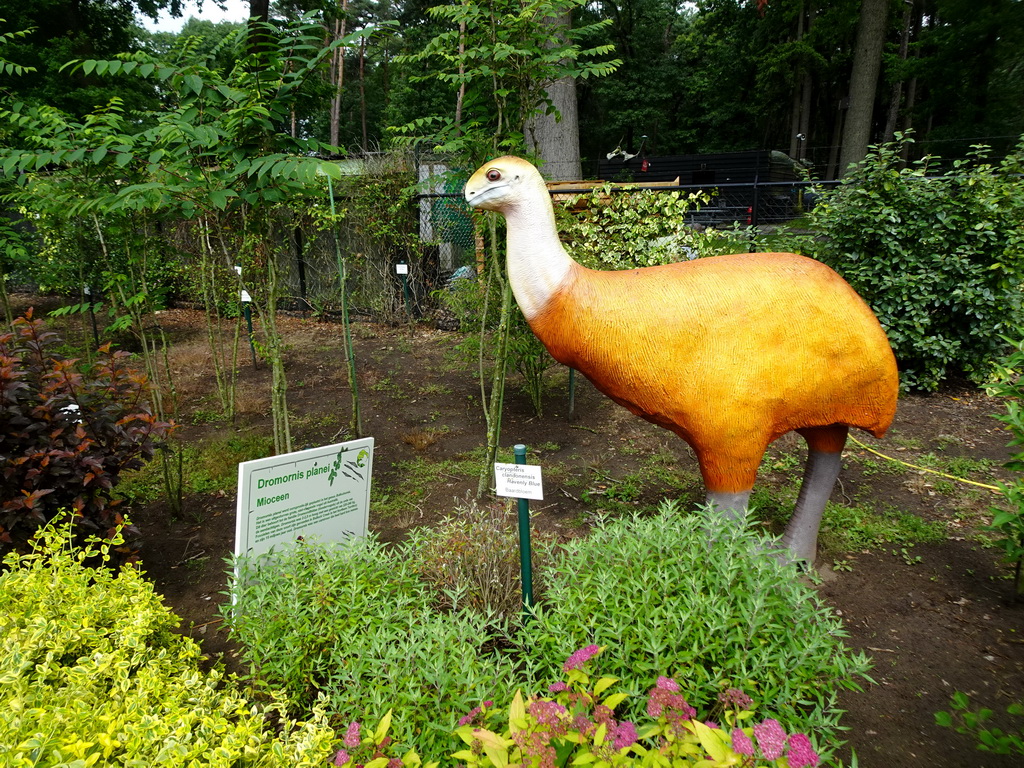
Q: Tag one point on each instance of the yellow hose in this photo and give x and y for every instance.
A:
(925, 469)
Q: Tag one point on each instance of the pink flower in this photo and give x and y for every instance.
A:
(741, 743)
(580, 657)
(352, 735)
(557, 687)
(801, 754)
(667, 684)
(341, 758)
(770, 738)
(395, 762)
(713, 725)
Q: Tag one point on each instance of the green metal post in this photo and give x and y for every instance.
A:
(525, 560)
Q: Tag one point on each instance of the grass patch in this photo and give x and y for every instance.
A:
(206, 468)
(853, 528)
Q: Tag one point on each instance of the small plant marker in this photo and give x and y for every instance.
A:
(522, 482)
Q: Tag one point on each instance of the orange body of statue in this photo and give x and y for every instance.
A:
(729, 353)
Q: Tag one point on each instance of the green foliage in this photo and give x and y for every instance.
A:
(854, 528)
(67, 434)
(1008, 524)
(976, 724)
(712, 610)
(357, 626)
(576, 725)
(612, 228)
(936, 257)
(503, 55)
(93, 674)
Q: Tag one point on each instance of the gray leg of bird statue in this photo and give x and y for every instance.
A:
(801, 536)
(734, 505)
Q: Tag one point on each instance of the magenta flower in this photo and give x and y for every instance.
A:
(712, 725)
(667, 684)
(341, 758)
(580, 657)
(770, 738)
(801, 753)
(395, 762)
(557, 687)
(546, 712)
(352, 735)
(741, 743)
(624, 735)
(734, 697)
(468, 717)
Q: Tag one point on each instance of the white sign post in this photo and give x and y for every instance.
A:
(321, 493)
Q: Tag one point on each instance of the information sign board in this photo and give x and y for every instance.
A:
(321, 493)
(518, 481)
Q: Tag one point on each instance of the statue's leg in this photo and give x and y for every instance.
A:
(824, 457)
(729, 472)
(734, 505)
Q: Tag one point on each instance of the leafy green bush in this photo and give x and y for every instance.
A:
(938, 258)
(1008, 524)
(977, 723)
(66, 434)
(92, 674)
(356, 625)
(667, 600)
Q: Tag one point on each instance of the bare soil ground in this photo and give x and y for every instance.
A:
(936, 618)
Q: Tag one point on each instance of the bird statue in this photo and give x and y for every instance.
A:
(728, 352)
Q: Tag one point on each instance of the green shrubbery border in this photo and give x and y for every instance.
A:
(683, 595)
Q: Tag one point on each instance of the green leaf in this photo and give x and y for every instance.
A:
(99, 154)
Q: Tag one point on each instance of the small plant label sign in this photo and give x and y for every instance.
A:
(320, 493)
(518, 481)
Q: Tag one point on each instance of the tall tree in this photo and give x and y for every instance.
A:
(554, 133)
(867, 63)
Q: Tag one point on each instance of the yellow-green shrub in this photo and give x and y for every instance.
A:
(91, 674)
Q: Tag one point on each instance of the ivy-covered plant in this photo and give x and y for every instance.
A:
(937, 255)
(67, 433)
(608, 228)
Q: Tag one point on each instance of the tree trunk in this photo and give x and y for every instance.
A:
(338, 75)
(896, 99)
(259, 11)
(867, 62)
(555, 138)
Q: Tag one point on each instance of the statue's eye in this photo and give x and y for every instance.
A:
(493, 174)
